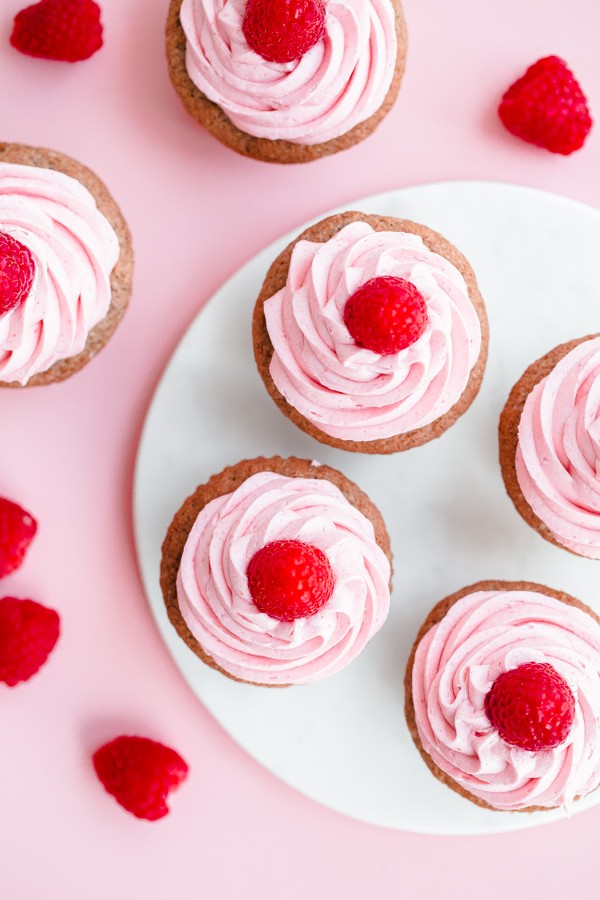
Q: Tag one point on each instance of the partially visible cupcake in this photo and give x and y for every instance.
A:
(287, 81)
(550, 446)
(503, 696)
(370, 333)
(66, 266)
(276, 572)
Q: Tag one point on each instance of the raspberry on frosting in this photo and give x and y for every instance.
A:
(75, 249)
(216, 581)
(17, 271)
(558, 451)
(357, 394)
(282, 31)
(386, 314)
(289, 580)
(531, 707)
(341, 81)
(500, 666)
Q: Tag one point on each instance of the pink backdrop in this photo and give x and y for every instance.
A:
(197, 212)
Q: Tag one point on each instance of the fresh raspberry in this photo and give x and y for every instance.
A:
(28, 633)
(386, 314)
(547, 107)
(289, 580)
(140, 773)
(68, 30)
(531, 707)
(17, 269)
(17, 530)
(283, 30)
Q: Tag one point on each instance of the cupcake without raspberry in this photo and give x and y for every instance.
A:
(287, 81)
(550, 446)
(370, 333)
(66, 266)
(276, 572)
(503, 696)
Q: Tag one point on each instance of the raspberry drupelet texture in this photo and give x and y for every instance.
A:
(282, 31)
(17, 271)
(547, 107)
(17, 530)
(28, 634)
(531, 707)
(290, 580)
(139, 773)
(386, 315)
(66, 30)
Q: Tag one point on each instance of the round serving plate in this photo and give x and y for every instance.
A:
(344, 742)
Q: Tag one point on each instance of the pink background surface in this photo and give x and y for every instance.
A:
(67, 452)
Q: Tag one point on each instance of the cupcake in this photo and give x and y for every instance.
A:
(503, 696)
(277, 571)
(287, 81)
(370, 333)
(66, 266)
(550, 446)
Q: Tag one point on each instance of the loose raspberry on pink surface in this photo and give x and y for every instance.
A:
(28, 634)
(290, 580)
(140, 773)
(387, 314)
(283, 30)
(17, 270)
(17, 530)
(547, 107)
(531, 707)
(67, 30)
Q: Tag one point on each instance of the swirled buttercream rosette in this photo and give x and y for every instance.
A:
(464, 651)
(59, 221)
(342, 392)
(207, 570)
(334, 95)
(550, 446)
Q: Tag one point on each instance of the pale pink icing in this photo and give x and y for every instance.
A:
(75, 250)
(558, 454)
(456, 663)
(338, 83)
(356, 394)
(215, 601)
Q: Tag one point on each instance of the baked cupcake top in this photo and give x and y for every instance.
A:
(219, 578)
(338, 83)
(558, 451)
(61, 250)
(458, 670)
(346, 390)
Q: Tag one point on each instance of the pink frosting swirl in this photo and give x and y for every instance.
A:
(74, 248)
(215, 601)
(349, 392)
(558, 453)
(483, 635)
(338, 83)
